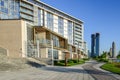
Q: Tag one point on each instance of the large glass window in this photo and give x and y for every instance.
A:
(55, 53)
(55, 41)
(2, 2)
(70, 32)
(50, 21)
(10, 9)
(61, 26)
(40, 17)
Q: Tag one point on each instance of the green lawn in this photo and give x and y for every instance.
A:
(112, 67)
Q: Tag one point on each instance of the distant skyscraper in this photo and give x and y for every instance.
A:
(89, 54)
(95, 44)
(110, 52)
(113, 50)
(85, 48)
(92, 45)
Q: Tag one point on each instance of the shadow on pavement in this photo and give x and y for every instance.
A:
(62, 69)
(76, 70)
(34, 64)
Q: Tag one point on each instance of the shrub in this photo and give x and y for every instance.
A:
(102, 60)
(62, 61)
(75, 61)
(117, 64)
(70, 61)
(85, 59)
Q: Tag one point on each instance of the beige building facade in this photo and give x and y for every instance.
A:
(12, 37)
(31, 25)
(19, 38)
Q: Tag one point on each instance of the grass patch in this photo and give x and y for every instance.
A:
(101, 59)
(69, 62)
(112, 67)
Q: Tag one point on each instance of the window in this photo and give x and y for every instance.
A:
(61, 26)
(50, 21)
(40, 17)
(2, 3)
(70, 32)
(55, 41)
(10, 9)
(55, 53)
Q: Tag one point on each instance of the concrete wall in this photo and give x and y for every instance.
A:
(44, 53)
(11, 37)
(61, 55)
(65, 29)
(41, 35)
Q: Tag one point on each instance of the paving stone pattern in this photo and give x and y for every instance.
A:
(98, 74)
(47, 73)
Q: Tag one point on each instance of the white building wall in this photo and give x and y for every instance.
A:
(35, 15)
(72, 33)
(41, 17)
(82, 34)
(45, 16)
(61, 55)
(55, 21)
(65, 29)
(24, 39)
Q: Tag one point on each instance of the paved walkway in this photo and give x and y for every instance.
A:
(97, 66)
(60, 73)
(48, 73)
(98, 73)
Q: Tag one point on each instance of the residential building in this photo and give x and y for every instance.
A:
(34, 21)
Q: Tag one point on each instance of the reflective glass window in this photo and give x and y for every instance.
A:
(61, 26)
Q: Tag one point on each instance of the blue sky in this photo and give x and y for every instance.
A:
(101, 16)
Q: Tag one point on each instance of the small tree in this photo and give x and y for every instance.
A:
(104, 55)
(118, 56)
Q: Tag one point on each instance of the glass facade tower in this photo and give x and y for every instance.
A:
(95, 45)
(92, 45)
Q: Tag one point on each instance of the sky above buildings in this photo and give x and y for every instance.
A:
(101, 16)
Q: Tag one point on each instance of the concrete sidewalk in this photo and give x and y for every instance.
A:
(47, 73)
